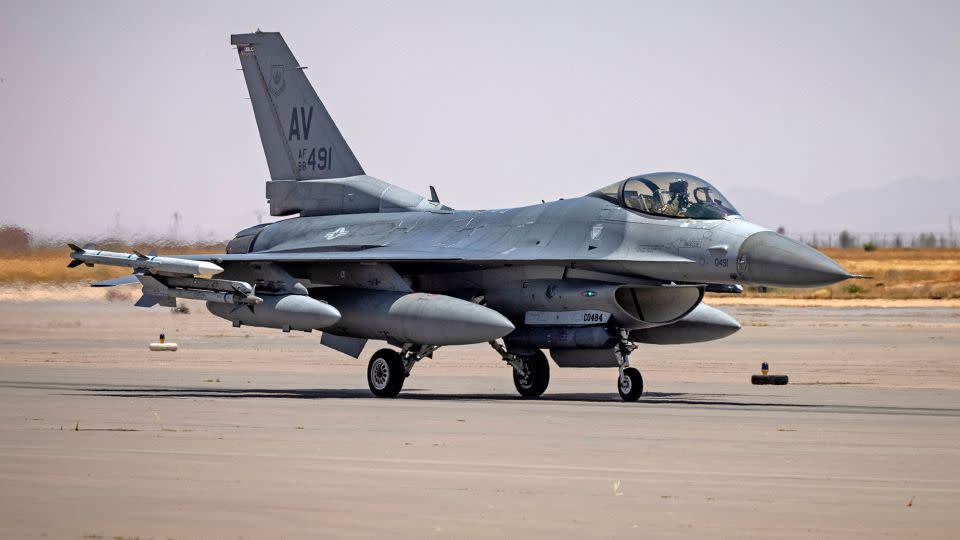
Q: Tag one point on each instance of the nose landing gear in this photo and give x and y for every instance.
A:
(630, 382)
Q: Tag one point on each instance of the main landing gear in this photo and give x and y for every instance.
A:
(388, 368)
(630, 382)
(531, 373)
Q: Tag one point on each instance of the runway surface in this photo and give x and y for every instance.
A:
(255, 433)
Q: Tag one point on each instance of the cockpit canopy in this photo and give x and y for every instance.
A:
(668, 194)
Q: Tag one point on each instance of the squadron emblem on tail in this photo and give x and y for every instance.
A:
(277, 83)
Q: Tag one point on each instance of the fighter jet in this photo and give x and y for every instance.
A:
(587, 278)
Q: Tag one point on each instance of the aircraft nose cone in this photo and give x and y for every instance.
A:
(768, 258)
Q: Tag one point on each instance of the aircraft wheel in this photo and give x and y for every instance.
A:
(534, 382)
(630, 385)
(385, 373)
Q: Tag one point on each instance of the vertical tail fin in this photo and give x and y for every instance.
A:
(299, 138)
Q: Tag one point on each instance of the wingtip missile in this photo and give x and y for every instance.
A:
(137, 260)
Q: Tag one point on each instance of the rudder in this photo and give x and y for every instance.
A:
(299, 138)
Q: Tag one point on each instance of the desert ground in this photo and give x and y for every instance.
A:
(255, 433)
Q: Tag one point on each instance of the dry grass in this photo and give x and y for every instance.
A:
(897, 273)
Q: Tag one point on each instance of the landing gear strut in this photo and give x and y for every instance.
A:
(630, 382)
(388, 368)
(531, 373)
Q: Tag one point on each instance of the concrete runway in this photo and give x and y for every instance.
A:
(254, 433)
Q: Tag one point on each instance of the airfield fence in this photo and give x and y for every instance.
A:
(847, 239)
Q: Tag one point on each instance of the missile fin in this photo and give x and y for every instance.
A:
(75, 247)
(148, 300)
(74, 263)
(240, 307)
(150, 283)
(125, 280)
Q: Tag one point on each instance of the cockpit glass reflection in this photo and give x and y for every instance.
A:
(672, 195)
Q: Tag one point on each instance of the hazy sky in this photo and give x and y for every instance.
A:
(125, 112)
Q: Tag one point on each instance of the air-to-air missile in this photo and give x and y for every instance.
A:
(167, 278)
(153, 263)
(220, 291)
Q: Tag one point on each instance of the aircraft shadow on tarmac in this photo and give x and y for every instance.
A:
(676, 398)
(419, 394)
(663, 398)
(702, 400)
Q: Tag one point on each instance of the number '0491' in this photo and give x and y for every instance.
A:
(315, 159)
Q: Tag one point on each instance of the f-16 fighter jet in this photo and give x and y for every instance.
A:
(586, 278)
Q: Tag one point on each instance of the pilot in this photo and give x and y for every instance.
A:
(679, 199)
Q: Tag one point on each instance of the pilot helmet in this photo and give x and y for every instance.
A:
(679, 186)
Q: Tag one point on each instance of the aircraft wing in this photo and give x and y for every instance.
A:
(390, 255)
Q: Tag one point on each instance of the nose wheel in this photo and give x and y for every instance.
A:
(630, 384)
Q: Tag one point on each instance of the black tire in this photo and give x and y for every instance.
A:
(779, 379)
(385, 373)
(631, 386)
(760, 379)
(538, 378)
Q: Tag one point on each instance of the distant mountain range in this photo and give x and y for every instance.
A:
(906, 206)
